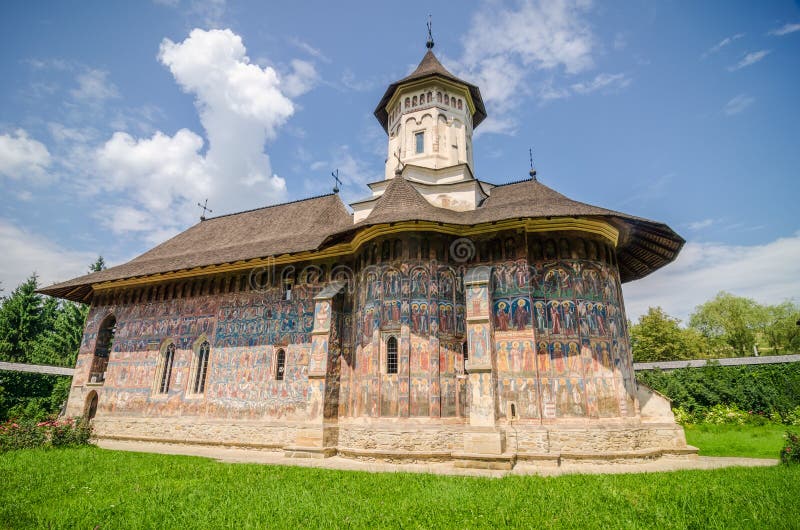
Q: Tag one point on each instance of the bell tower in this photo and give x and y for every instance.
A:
(429, 117)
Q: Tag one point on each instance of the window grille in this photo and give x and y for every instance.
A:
(202, 368)
(280, 365)
(166, 369)
(391, 356)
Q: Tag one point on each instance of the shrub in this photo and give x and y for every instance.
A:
(790, 454)
(725, 415)
(52, 433)
(766, 390)
(683, 416)
(793, 417)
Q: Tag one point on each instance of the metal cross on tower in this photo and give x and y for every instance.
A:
(532, 172)
(205, 209)
(429, 44)
(336, 181)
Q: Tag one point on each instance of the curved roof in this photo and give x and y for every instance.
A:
(430, 67)
(312, 224)
(643, 246)
(270, 231)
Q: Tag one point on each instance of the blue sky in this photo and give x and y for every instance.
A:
(116, 118)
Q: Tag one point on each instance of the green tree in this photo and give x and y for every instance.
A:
(659, 337)
(729, 323)
(98, 265)
(59, 344)
(780, 329)
(23, 316)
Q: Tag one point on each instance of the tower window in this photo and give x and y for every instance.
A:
(280, 365)
(419, 138)
(391, 356)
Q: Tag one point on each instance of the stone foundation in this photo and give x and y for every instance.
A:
(400, 442)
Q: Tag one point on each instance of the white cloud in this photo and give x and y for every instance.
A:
(738, 104)
(25, 252)
(162, 170)
(241, 106)
(22, 157)
(309, 49)
(721, 44)
(506, 45)
(785, 29)
(302, 78)
(602, 81)
(749, 59)
(768, 273)
(699, 225)
(94, 87)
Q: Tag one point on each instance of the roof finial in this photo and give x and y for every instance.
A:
(429, 44)
(336, 181)
(532, 172)
(205, 209)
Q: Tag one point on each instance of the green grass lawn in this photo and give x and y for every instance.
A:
(755, 441)
(96, 488)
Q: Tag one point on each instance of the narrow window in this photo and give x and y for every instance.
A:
(465, 354)
(102, 350)
(202, 368)
(166, 369)
(280, 365)
(420, 141)
(391, 356)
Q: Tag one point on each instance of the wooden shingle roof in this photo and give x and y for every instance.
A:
(273, 230)
(430, 67)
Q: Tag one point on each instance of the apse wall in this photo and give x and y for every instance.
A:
(560, 334)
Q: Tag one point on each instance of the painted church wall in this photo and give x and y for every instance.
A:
(560, 339)
(244, 329)
(418, 302)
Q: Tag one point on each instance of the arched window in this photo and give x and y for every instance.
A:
(429, 97)
(414, 101)
(460, 105)
(446, 99)
(391, 355)
(201, 369)
(168, 358)
(102, 349)
(280, 365)
(408, 102)
(438, 97)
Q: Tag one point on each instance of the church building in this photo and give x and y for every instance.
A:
(439, 318)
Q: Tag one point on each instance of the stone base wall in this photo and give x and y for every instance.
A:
(201, 431)
(401, 437)
(594, 439)
(402, 441)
